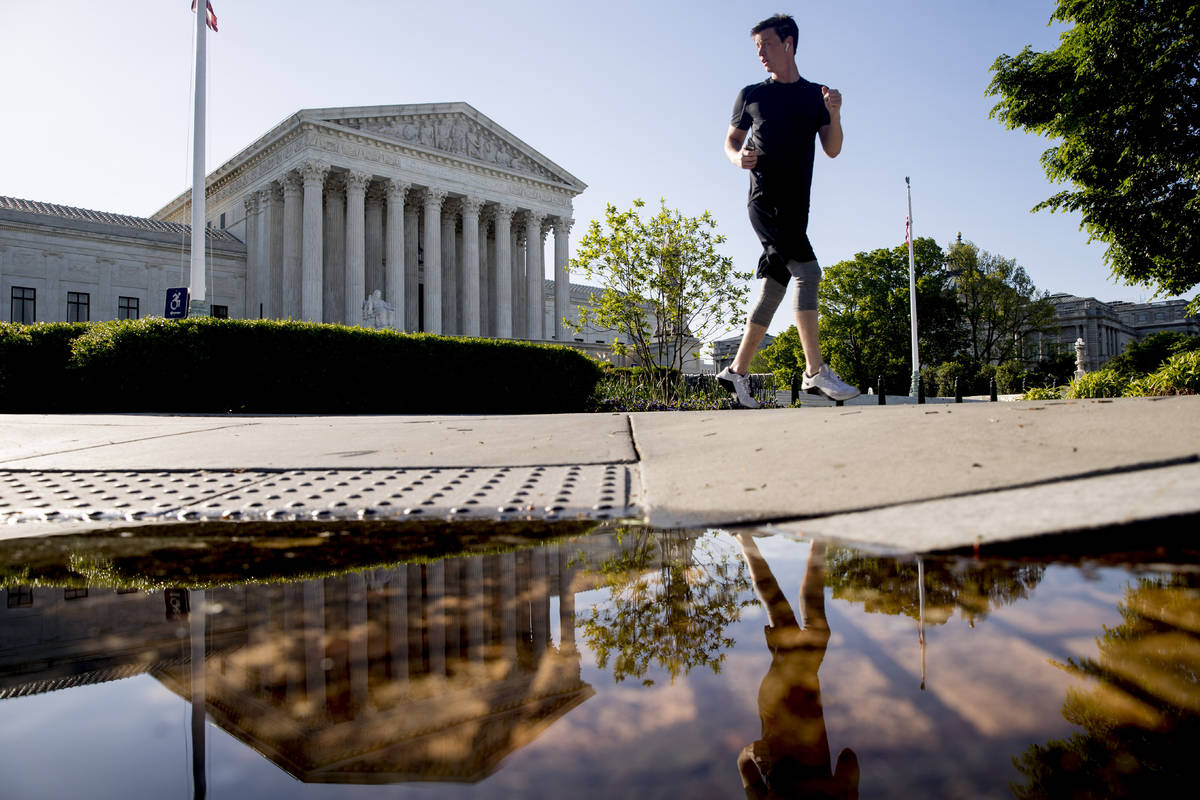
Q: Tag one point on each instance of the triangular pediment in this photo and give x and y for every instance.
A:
(453, 129)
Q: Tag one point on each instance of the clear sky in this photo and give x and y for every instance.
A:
(631, 96)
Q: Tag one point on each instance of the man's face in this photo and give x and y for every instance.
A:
(771, 51)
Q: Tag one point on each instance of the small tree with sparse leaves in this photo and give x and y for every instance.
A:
(663, 287)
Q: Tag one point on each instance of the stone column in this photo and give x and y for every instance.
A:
(356, 188)
(562, 279)
(356, 632)
(503, 275)
(487, 308)
(273, 250)
(412, 297)
(433, 259)
(398, 626)
(470, 211)
(293, 192)
(314, 644)
(535, 275)
(449, 267)
(333, 304)
(314, 244)
(374, 248)
(394, 260)
(519, 286)
(253, 265)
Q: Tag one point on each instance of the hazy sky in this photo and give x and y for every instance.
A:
(631, 96)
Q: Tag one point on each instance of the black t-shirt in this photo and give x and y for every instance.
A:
(783, 119)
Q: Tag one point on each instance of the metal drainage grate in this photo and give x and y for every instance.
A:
(595, 491)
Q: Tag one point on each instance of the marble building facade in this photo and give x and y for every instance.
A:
(434, 205)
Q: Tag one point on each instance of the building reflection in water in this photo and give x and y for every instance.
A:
(423, 672)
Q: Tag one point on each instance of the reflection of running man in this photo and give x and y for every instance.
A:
(783, 115)
(792, 757)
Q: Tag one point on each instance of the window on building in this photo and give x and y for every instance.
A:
(222, 223)
(24, 304)
(78, 306)
(128, 308)
(220, 312)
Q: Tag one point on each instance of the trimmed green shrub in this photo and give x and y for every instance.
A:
(1179, 374)
(1042, 393)
(1147, 355)
(1100, 383)
(1009, 376)
(270, 366)
(33, 366)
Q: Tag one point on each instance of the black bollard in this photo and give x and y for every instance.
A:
(920, 392)
(795, 388)
(992, 396)
(957, 391)
(882, 391)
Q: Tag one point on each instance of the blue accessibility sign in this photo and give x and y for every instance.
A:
(177, 303)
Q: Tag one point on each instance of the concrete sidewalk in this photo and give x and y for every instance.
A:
(908, 477)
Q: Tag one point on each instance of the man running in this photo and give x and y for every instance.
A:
(782, 114)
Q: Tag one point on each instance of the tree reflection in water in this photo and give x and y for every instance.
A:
(1141, 713)
(888, 585)
(672, 594)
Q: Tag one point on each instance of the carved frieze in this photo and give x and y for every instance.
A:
(455, 134)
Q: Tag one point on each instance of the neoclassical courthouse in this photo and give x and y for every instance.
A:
(439, 209)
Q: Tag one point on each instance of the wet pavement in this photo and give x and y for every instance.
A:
(586, 660)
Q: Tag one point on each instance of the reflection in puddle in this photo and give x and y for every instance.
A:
(628, 661)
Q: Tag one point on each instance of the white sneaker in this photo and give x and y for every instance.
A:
(827, 382)
(739, 385)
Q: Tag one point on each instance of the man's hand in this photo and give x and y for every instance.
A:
(747, 157)
(833, 100)
(743, 157)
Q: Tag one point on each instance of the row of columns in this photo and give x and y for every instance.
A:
(320, 241)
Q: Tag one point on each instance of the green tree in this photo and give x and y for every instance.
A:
(671, 595)
(1121, 95)
(785, 357)
(886, 585)
(1137, 712)
(1000, 305)
(864, 322)
(665, 288)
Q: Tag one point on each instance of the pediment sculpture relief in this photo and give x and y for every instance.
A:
(454, 133)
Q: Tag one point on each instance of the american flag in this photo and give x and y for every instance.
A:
(907, 228)
(210, 17)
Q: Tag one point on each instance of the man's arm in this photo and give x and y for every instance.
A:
(744, 159)
(831, 134)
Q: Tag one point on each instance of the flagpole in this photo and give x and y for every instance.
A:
(914, 388)
(196, 285)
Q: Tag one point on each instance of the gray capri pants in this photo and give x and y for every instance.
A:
(805, 275)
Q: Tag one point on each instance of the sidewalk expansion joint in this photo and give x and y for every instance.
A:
(562, 492)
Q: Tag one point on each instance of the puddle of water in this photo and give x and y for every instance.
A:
(539, 661)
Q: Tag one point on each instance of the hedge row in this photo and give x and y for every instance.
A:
(268, 366)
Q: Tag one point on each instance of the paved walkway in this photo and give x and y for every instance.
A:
(908, 477)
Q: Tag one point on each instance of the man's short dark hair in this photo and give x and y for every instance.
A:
(783, 25)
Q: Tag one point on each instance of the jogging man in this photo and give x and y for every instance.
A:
(782, 116)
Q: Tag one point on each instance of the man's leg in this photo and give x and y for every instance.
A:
(749, 346)
(818, 378)
(806, 326)
(733, 378)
